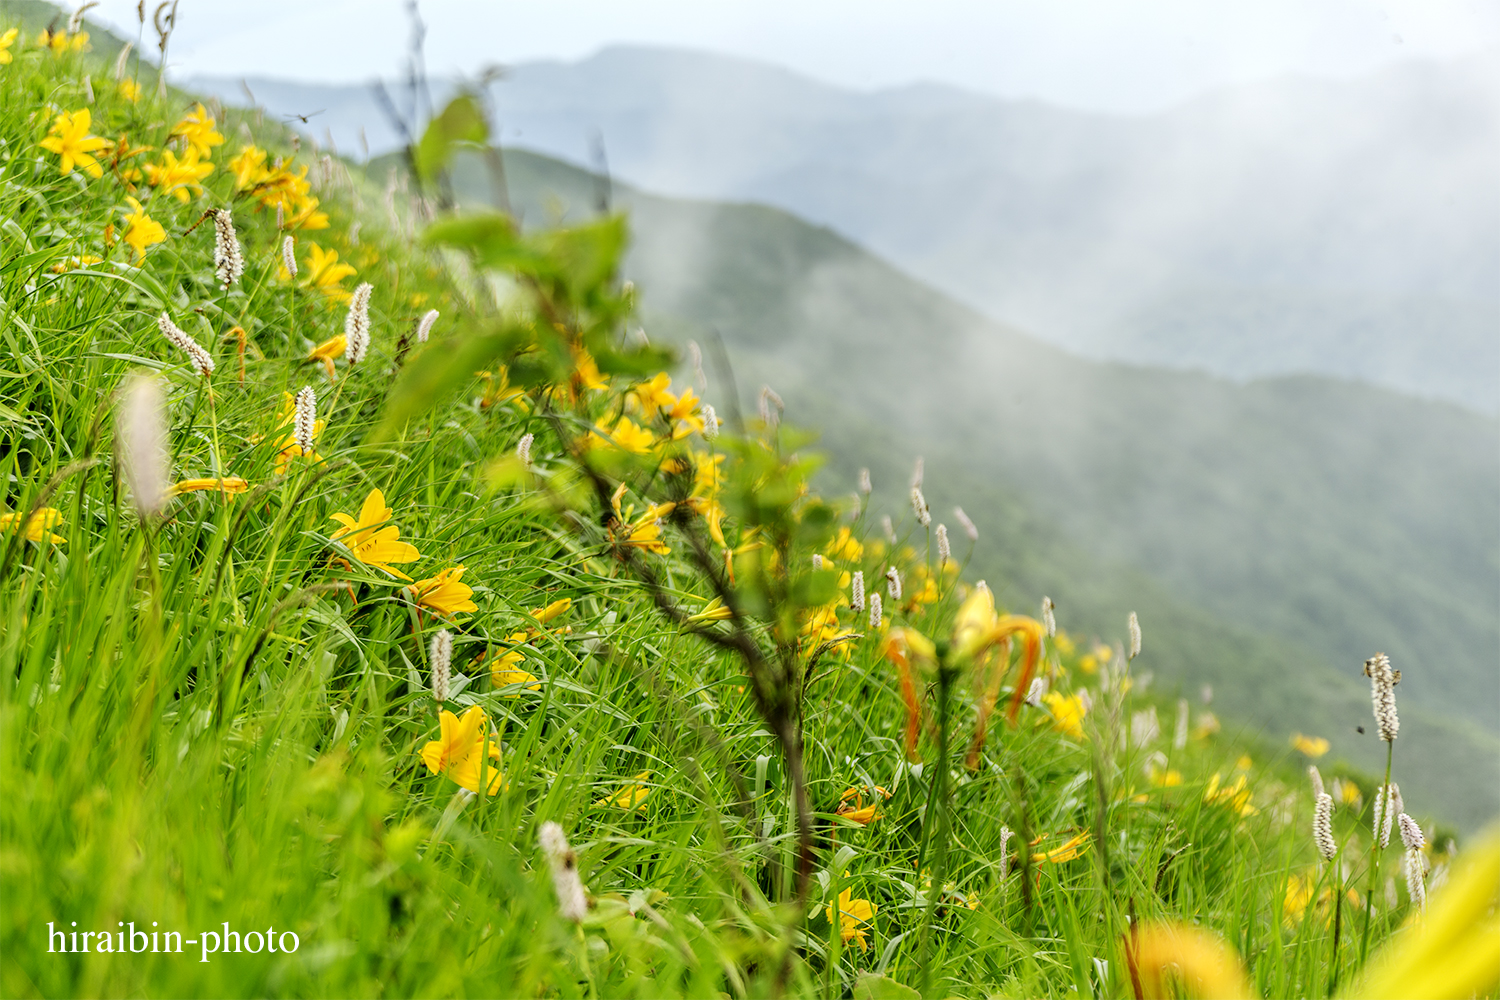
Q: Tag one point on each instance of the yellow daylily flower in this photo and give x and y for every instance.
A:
(551, 611)
(6, 41)
(38, 526)
(1166, 958)
(197, 130)
(324, 272)
(372, 540)
(142, 231)
(76, 263)
(178, 177)
(130, 90)
(69, 138)
(463, 749)
(856, 811)
(854, 916)
(653, 395)
(845, 547)
(1067, 712)
(328, 350)
(60, 42)
(226, 485)
(627, 435)
(1312, 746)
(632, 796)
(1066, 851)
(248, 167)
(444, 593)
(586, 373)
(1164, 777)
(1235, 797)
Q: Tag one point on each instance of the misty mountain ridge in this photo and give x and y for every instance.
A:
(1349, 228)
(1270, 535)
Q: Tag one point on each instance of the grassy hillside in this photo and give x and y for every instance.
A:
(1291, 526)
(378, 618)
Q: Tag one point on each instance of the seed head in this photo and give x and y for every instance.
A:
(817, 561)
(1411, 833)
(919, 507)
(424, 327)
(945, 551)
(523, 449)
(141, 436)
(1005, 835)
(710, 423)
(289, 254)
(889, 528)
(200, 358)
(864, 482)
(875, 610)
(916, 474)
(1383, 681)
(281, 221)
(857, 591)
(440, 655)
(893, 583)
(1323, 827)
(963, 521)
(572, 903)
(768, 398)
(1048, 618)
(1135, 636)
(229, 259)
(1317, 779)
(305, 423)
(357, 325)
(1180, 734)
(1387, 804)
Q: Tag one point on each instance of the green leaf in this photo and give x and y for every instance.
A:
(877, 986)
(461, 123)
(435, 373)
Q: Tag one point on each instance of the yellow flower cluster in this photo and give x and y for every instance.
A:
(277, 187)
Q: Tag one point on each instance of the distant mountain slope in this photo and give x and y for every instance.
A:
(1280, 532)
(1349, 229)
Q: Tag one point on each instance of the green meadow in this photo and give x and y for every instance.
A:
(383, 617)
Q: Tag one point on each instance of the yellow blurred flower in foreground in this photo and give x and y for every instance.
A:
(1313, 746)
(444, 593)
(60, 42)
(463, 749)
(1171, 959)
(854, 917)
(69, 138)
(632, 796)
(130, 90)
(38, 527)
(6, 41)
(372, 540)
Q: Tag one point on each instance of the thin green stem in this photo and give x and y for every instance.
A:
(1382, 807)
(939, 801)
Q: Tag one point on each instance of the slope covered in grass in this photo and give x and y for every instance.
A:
(1281, 531)
(222, 706)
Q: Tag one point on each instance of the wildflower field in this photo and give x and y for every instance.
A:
(384, 616)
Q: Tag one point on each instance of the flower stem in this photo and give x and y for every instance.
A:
(938, 802)
(1382, 806)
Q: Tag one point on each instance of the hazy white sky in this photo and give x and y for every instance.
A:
(1115, 55)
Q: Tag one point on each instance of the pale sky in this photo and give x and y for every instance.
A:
(1107, 55)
